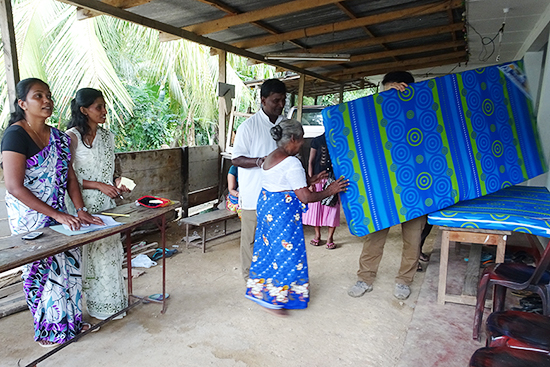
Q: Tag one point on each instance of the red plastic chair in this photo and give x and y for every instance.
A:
(517, 329)
(515, 276)
(508, 357)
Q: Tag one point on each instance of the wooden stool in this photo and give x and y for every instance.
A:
(473, 236)
(202, 220)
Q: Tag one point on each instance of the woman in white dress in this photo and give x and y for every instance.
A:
(92, 148)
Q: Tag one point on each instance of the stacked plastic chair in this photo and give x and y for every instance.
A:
(517, 276)
(515, 338)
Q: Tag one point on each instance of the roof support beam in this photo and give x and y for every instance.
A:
(232, 11)
(387, 39)
(350, 24)
(82, 14)
(423, 62)
(182, 33)
(260, 14)
(10, 50)
(390, 53)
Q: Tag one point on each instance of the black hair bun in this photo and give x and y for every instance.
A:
(276, 132)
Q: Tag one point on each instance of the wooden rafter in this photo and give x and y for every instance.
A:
(182, 33)
(360, 71)
(350, 45)
(256, 15)
(121, 4)
(352, 15)
(233, 11)
(390, 53)
(350, 24)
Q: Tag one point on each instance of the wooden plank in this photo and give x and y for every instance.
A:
(471, 280)
(203, 196)
(256, 15)
(184, 171)
(155, 172)
(481, 238)
(204, 166)
(13, 304)
(205, 219)
(233, 11)
(349, 24)
(443, 264)
(461, 299)
(222, 105)
(403, 36)
(11, 289)
(10, 50)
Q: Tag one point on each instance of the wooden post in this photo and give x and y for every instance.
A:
(10, 50)
(222, 108)
(341, 94)
(301, 86)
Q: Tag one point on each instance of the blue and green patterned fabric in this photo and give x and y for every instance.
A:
(441, 141)
(518, 208)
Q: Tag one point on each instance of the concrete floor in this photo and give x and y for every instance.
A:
(209, 321)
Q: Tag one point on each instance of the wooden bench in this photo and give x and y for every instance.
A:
(205, 219)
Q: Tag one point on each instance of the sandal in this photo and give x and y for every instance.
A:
(314, 242)
(47, 344)
(424, 257)
(331, 246)
(86, 326)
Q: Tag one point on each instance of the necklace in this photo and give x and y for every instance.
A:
(35, 133)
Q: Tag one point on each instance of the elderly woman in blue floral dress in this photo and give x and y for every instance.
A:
(279, 277)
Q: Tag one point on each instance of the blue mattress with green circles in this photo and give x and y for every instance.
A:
(441, 141)
(517, 208)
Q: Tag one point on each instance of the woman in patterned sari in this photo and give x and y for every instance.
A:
(93, 150)
(37, 173)
(279, 277)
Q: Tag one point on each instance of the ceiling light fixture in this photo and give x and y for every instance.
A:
(307, 57)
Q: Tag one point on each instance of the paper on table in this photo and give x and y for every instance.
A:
(109, 222)
(130, 184)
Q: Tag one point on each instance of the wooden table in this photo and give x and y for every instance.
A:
(205, 219)
(14, 251)
(467, 235)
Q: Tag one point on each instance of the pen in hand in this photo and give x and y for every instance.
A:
(118, 192)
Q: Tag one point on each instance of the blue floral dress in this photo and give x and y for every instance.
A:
(279, 272)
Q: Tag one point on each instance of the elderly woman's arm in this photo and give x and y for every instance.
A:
(14, 177)
(307, 196)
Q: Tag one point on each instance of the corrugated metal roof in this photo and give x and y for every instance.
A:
(380, 35)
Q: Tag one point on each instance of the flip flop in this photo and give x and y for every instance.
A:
(89, 327)
(157, 297)
(49, 345)
(158, 253)
(314, 242)
(331, 246)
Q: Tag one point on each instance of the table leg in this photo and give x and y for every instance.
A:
(203, 239)
(225, 227)
(501, 248)
(443, 262)
(163, 242)
(187, 236)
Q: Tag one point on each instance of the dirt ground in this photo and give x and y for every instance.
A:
(209, 321)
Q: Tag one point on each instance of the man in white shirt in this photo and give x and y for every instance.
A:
(253, 142)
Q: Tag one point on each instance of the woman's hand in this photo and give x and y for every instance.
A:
(72, 222)
(235, 193)
(87, 218)
(108, 190)
(317, 178)
(337, 186)
(120, 187)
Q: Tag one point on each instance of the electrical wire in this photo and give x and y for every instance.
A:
(484, 54)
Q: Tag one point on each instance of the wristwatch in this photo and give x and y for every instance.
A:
(84, 209)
